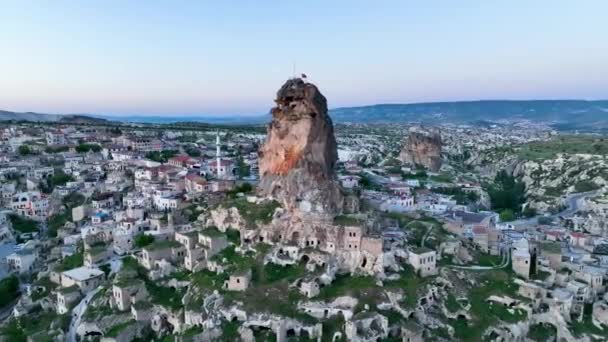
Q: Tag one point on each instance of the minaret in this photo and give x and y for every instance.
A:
(217, 153)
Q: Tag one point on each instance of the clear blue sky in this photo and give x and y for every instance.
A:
(229, 57)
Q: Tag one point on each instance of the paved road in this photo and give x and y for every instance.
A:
(504, 263)
(377, 178)
(426, 235)
(77, 313)
(573, 202)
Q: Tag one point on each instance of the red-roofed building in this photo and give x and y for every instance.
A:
(196, 183)
(554, 235)
(182, 161)
(578, 239)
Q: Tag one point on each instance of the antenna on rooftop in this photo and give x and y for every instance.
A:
(293, 74)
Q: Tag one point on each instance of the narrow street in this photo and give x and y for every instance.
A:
(77, 313)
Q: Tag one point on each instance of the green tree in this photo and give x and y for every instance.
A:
(162, 156)
(24, 150)
(507, 215)
(143, 240)
(84, 148)
(9, 290)
(529, 212)
(60, 178)
(242, 168)
(507, 193)
(55, 222)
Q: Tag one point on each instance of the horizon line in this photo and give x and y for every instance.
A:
(330, 109)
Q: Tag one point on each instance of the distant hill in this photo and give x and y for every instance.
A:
(562, 114)
(39, 117)
(572, 113)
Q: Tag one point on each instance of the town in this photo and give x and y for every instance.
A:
(302, 230)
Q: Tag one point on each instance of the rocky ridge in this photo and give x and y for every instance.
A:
(422, 147)
(298, 158)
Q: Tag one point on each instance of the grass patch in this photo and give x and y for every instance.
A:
(343, 220)
(117, 329)
(410, 283)
(542, 332)
(452, 304)
(586, 326)
(165, 296)
(484, 314)
(70, 262)
(363, 288)
(273, 272)
(567, 144)
(253, 212)
(585, 186)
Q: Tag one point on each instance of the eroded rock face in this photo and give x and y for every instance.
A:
(298, 158)
(422, 147)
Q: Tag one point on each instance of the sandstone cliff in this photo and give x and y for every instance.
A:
(422, 147)
(298, 158)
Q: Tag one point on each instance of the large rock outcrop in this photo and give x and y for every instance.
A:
(298, 158)
(422, 147)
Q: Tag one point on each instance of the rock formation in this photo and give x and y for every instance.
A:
(298, 158)
(422, 147)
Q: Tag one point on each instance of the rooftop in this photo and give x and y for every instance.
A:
(162, 244)
(83, 273)
(421, 250)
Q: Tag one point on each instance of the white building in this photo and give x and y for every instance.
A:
(350, 182)
(398, 204)
(85, 278)
(424, 261)
(30, 204)
(55, 138)
(21, 261)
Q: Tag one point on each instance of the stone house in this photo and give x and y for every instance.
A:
(158, 250)
(142, 311)
(103, 201)
(592, 276)
(551, 254)
(411, 332)
(459, 221)
(213, 241)
(197, 184)
(21, 261)
(194, 258)
(423, 260)
(188, 239)
(86, 278)
(521, 262)
(309, 288)
(562, 300)
(530, 290)
(366, 326)
(480, 237)
(97, 255)
(238, 281)
(600, 313)
(65, 298)
(128, 291)
(521, 258)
